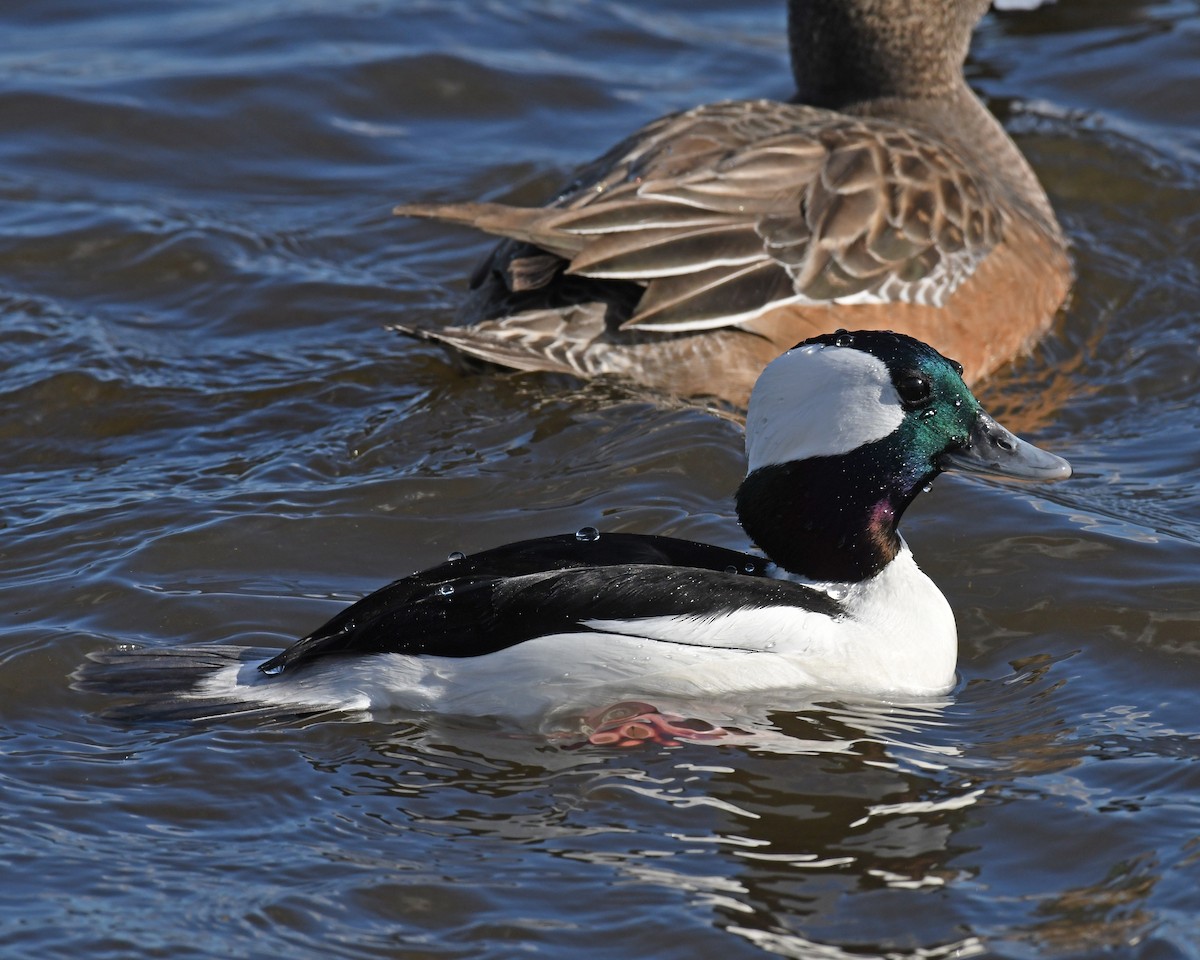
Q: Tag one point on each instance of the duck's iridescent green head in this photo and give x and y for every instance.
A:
(845, 429)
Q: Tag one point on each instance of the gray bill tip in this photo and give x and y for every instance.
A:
(993, 450)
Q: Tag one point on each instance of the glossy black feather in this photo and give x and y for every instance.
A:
(498, 598)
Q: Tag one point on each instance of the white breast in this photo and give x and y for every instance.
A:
(899, 638)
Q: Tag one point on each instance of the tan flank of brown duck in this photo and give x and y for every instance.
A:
(712, 240)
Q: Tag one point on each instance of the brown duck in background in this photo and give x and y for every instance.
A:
(696, 251)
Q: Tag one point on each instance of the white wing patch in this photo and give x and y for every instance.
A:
(780, 629)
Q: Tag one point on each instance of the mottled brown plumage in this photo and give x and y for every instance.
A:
(711, 240)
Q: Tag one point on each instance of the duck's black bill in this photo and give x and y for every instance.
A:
(994, 451)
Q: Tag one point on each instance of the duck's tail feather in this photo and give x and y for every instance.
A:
(535, 225)
(556, 341)
(179, 683)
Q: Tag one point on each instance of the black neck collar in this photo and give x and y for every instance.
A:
(828, 518)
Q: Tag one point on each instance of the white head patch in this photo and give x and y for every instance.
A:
(819, 400)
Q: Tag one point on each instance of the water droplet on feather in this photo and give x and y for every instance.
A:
(587, 534)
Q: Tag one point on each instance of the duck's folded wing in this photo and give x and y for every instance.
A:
(729, 210)
(476, 612)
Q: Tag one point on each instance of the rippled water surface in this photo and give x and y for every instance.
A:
(209, 437)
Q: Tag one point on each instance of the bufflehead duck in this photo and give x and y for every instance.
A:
(709, 241)
(842, 433)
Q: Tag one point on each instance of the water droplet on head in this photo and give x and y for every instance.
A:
(446, 589)
(731, 569)
(843, 339)
(749, 568)
(587, 534)
(928, 414)
(274, 670)
(456, 555)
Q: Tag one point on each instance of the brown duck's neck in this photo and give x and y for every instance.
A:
(846, 51)
(902, 60)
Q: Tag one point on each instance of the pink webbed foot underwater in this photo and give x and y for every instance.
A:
(633, 723)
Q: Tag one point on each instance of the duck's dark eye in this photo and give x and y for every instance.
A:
(913, 387)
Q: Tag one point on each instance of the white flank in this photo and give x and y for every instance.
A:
(789, 417)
